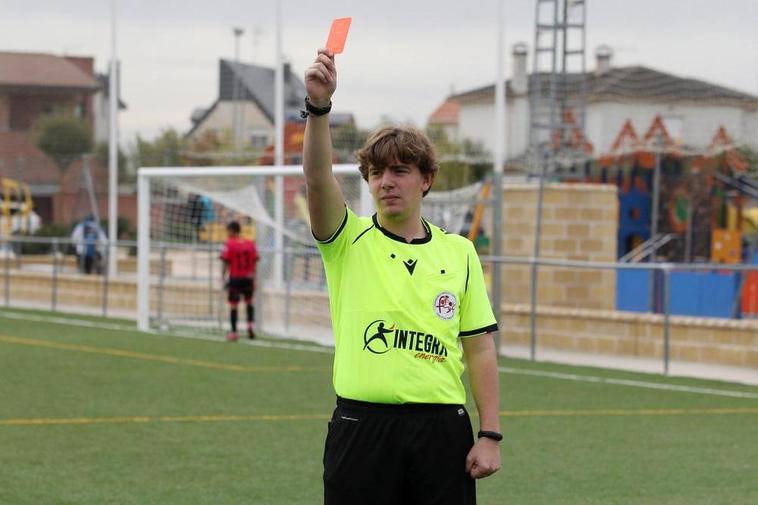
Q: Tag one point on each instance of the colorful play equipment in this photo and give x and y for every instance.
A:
(15, 207)
(702, 217)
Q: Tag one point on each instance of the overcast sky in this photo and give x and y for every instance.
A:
(401, 59)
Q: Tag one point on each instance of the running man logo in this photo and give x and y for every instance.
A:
(374, 337)
(444, 305)
(426, 345)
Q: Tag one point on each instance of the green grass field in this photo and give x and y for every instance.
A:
(107, 415)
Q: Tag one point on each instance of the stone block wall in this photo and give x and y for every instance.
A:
(579, 222)
(691, 339)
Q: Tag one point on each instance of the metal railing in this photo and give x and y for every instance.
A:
(179, 267)
(53, 258)
(666, 271)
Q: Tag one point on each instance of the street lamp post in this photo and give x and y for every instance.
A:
(113, 97)
(236, 114)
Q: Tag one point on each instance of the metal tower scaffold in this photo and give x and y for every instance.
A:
(558, 86)
(557, 106)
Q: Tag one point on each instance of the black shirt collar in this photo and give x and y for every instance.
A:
(398, 238)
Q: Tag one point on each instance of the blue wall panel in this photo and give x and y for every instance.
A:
(705, 294)
(632, 290)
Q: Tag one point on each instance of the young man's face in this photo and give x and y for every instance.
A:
(398, 189)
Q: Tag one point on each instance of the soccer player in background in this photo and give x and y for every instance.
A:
(408, 304)
(239, 257)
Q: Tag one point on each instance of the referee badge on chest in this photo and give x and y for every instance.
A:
(445, 305)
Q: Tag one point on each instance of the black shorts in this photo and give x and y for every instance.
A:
(412, 454)
(240, 286)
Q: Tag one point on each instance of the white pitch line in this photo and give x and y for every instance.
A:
(330, 350)
(65, 321)
(132, 328)
(628, 382)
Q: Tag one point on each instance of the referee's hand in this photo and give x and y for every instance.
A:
(483, 459)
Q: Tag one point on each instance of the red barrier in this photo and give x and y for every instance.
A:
(750, 295)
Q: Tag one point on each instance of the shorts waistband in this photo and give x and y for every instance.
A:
(420, 408)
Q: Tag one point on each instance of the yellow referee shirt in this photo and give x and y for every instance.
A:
(398, 310)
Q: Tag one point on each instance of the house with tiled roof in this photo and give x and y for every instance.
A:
(250, 88)
(32, 85)
(446, 118)
(692, 109)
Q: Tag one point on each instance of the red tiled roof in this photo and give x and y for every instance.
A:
(446, 113)
(44, 70)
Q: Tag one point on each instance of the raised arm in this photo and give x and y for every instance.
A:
(326, 204)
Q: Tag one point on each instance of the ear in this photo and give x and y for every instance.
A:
(427, 180)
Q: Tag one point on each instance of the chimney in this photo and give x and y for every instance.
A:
(519, 79)
(603, 57)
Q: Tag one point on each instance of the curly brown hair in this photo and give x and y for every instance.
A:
(391, 144)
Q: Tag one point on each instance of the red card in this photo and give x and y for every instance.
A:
(338, 35)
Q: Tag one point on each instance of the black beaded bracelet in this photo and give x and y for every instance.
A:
(494, 435)
(311, 109)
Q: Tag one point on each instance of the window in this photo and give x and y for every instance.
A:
(259, 138)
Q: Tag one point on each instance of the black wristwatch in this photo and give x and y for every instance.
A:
(494, 435)
(311, 109)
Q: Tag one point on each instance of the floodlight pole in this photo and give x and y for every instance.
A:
(113, 93)
(279, 152)
(499, 161)
(236, 114)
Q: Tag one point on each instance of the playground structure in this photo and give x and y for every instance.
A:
(683, 207)
(16, 207)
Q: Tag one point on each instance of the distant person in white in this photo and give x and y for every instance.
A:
(90, 240)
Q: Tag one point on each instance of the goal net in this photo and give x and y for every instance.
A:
(183, 213)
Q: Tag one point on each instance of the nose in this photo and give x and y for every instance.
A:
(387, 180)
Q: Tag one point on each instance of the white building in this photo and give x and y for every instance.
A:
(247, 90)
(692, 110)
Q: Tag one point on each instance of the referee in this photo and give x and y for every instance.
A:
(408, 303)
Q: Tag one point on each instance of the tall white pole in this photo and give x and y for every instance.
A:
(236, 113)
(279, 151)
(279, 91)
(113, 96)
(143, 251)
(499, 162)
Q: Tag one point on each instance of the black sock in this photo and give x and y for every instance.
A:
(233, 319)
(250, 314)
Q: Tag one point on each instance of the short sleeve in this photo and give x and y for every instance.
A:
(334, 247)
(476, 312)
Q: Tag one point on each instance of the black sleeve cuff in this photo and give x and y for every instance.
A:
(479, 331)
(335, 234)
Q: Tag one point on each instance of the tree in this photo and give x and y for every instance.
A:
(347, 139)
(102, 155)
(63, 137)
(460, 163)
(163, 151)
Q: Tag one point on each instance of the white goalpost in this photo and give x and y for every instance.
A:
(182, 215)
(182, 218)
